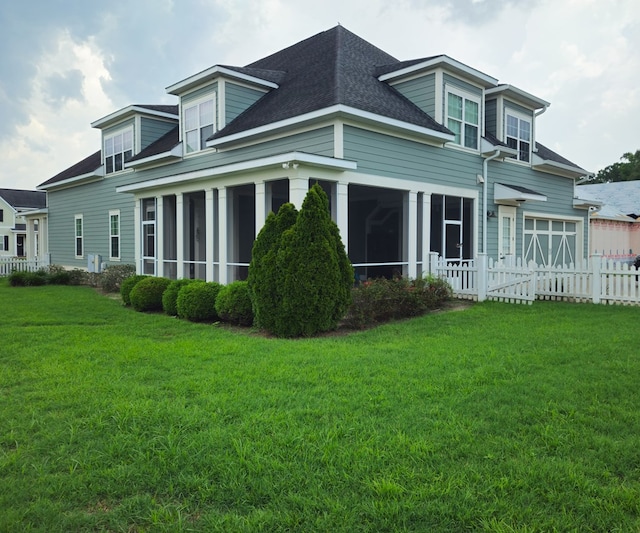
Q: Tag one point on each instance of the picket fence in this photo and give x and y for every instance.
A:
(596, 280)
(13, 264)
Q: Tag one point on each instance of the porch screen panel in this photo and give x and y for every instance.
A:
(195, 236)
(149, 236)
(170, 237)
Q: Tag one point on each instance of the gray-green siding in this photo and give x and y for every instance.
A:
(152, 129)
(490, 117)
(421, 91)
(239, 99)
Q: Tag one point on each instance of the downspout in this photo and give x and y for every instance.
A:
(533, 127)
(485, 186)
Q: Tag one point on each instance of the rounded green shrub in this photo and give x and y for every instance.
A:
(170, 296)
(128, 284)
(146, 295)
(233, 304)
(197, 301)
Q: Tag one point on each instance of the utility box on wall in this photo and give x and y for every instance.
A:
(94, 263)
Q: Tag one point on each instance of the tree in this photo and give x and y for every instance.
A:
(628, 170)
(263, 276)
(314, 274)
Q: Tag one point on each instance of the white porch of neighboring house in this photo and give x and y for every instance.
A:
(203, 224)
(36, 234)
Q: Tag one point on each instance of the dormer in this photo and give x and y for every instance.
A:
(510, 118)
(449, 91)
(130, 130)
(214, 97)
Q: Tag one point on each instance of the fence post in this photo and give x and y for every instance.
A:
(483, 274)
(433, 263)
(596, 281)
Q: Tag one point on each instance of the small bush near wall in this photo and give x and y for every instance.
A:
(170, 296)
(28, 279)
(233, 304)
(113, 276)
(127, 285)
(197, 301)
(146, 295)
(381, 300)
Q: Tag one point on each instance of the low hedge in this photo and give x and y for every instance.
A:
(146, 295)
(197, 301)
(233, 304)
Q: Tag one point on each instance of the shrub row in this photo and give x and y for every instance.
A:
(108, 281)
(194, 300)
(380, 300)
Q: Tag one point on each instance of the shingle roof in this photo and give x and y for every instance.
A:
(330, 68)
(620, 197)
(549, 155)
(22, 198)
(163, 144)
(86, 166)
(170, 109)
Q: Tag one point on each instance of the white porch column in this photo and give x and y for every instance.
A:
(342, 212)
(137, 229)
(412, 234)
(223, 233)
(159, 236)
(261, 205)
(179, 235)
(209, 216)
(426, 231)
(298, 188)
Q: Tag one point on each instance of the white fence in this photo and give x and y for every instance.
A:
(597, 280)
(12, 264)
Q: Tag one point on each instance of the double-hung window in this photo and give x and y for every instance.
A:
(463, 118)
(199, 120)
(118, 148)
(79, 236)
(114, 234)
(518, 135)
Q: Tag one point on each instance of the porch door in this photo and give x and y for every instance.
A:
(20, 245)
(506, 231)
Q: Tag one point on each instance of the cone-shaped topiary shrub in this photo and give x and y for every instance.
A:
(314, 278)
(197, 301)
(233, 304)
(170, 295)
(128, 284)
(263, 276)
(146, 295)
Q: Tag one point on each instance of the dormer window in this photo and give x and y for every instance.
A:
(117, 149)
(199, 120)
(463, 118)
(518, 136)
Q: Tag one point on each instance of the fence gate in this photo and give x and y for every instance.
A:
(511, 281)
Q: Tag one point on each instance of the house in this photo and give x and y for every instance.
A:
(614, 220)
(14, 226)
(415, 156)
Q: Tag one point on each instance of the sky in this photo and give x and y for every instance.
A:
(67, 63)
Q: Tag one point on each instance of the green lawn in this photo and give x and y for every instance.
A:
(497, 418)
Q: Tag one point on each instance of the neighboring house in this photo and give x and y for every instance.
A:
(15, 228)
(615, 219)
(415, 156)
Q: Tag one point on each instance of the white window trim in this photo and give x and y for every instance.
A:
(183, 109)
(76, 236)
(115, 212)
(508, 111)
(104, 149)
(465, 95)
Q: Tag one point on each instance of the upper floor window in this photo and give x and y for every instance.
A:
(463, 118)
(518, 136)
(199, 120)
(1, 215)
(117, 149)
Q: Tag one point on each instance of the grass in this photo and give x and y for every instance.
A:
(497, 418)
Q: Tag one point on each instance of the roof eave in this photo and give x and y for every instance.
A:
(560, 169)
(89, 177)
(441, 61)
(216, 72)
(519, 95)
(326, 114)
(126, 112)
(164, 157)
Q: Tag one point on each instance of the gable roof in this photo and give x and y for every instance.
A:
(618, 198)
(332, 68)
(20, 198)
(88, 166)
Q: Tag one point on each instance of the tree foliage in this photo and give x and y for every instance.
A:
(627, 169)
